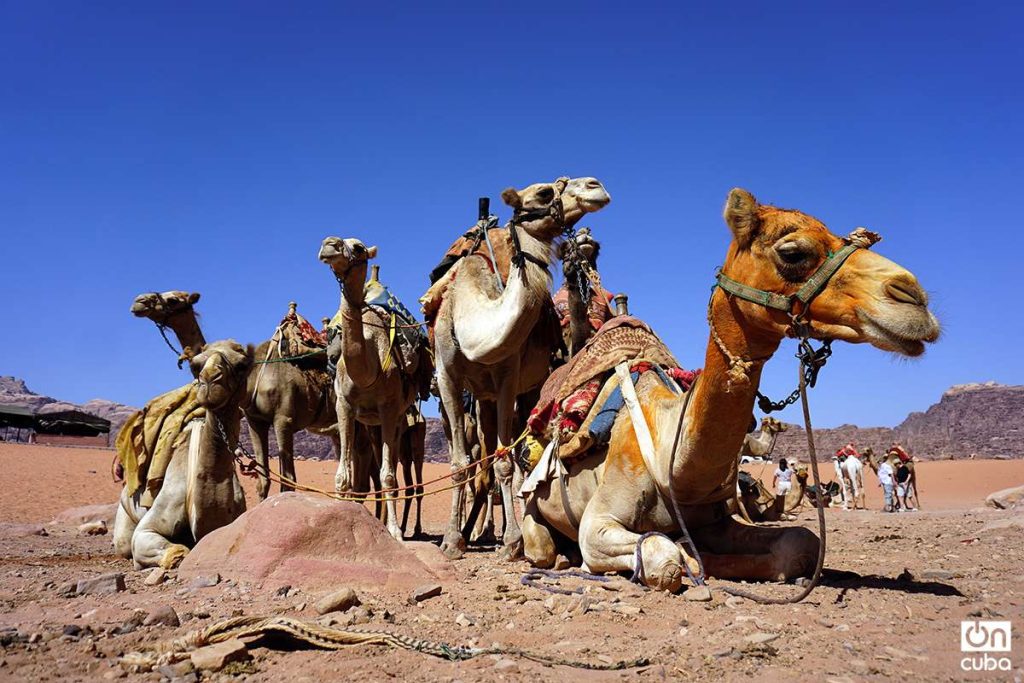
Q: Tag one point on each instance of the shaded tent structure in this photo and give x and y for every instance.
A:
(14, 420)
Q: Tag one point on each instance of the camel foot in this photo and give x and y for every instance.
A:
(453, 546)
(485, 537)
(512, 551)
(173, 556)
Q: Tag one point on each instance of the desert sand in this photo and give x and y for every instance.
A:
(890, 605)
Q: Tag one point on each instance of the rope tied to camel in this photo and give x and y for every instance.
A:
(329, 638)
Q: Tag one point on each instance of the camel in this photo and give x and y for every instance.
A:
(580, 315)
(627, 509)
(375, 384)
(763, 444)
(852, 470)
(173, 310)
(200, 491)
(483, 337)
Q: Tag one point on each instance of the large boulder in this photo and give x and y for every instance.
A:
(1007, 499)
(298, 539)
(75, 517)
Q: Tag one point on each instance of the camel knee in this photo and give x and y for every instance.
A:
(503, 469)
(538, 543)
(796, 553)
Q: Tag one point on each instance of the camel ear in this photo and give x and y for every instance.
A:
(193, 297)
(560, 184)
(512, 198)
(741, 216)
(371, 252)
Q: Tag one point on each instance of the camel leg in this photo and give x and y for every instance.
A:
(406, 461)
(368, 458)
(608, 546)
(389, 453)
(151, 546)
(733, 550)
(346, 437)
(259, 433)
(417, 449)
(486, 443)
(285, 434)
(124, 527)
(454, 544)
(539, 544)
(504, 469)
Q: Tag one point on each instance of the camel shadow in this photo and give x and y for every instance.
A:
(904, 583)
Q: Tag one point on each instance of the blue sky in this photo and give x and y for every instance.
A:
(211, 146)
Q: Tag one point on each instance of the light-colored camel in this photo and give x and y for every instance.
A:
(760, 504)
(852, 470)
(173, 310)
(762, 445)
(614, 494)
(483, 340)
(373, 384)
(200, 490)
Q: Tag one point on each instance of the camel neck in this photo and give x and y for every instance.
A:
(186, 328)
(720, 410)
(492, 328)
(359, 357)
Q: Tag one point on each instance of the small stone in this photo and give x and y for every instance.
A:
(97, 528)
(204, 581)
(114, 674)
(631, 610)
(507, 666)
(733, 602)
(105, 584)
(698, 594)
(72, 630)
(361, 615)
(216, 657)
(162, 616)
(464, 621)
(425, 592)
(177, 670)
(562, 563)
(156, 577)
(338, 601)
(761, 638)
(68, 590)
(938, 574)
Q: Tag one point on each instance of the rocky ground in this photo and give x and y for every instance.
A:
(896, 590)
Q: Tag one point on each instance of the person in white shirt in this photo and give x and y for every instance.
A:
(885, 480)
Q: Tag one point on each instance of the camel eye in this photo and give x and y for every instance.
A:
(792, 253)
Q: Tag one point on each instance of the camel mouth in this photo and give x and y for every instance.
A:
(139, 309)
(328, 253)
(904, 334)
(592, 204)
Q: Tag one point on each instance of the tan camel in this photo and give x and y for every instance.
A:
(173, 310)
(375, 383)
(755, 502)
(618, 499)
(763, 444)
(200, 490)
(288, 397)
(483, 337)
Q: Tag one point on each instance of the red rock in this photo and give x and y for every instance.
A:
(216, 657)
(313, 542)
(1007, 499)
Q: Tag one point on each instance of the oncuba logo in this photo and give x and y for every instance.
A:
(982, 638)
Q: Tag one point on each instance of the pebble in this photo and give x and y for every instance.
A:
(734, 601)
(155, 577)
(464, 621)
(698, 594)
(162, 616)
(216, 657)
(338, 601)
(105, 584)
(425, 592)
(761, 637)
(631, 610)
(204, 581)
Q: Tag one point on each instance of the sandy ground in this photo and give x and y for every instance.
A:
(890, 606)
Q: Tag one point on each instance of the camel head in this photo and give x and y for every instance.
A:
(159, 307)
(771, 425)
(870, 299)
(220, 370)
(545, 209)
(588, 247)
(344, 255)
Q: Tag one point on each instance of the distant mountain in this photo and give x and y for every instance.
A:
(986, 420)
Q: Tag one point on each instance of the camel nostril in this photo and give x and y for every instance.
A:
(906, 292)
